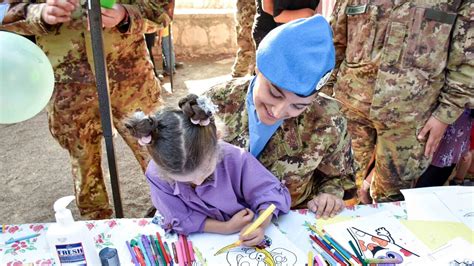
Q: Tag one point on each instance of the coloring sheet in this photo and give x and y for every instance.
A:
(447, 203)
(379, 236)
(455, 252)
(277, 250)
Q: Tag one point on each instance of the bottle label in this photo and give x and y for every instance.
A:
(71, 254)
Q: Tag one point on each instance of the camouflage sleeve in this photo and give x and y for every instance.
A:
(25, 19)
(338, 22)
(336, 170)
(147, 16)
(229, 98)
(459, 87)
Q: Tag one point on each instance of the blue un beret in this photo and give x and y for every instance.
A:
(298, 56)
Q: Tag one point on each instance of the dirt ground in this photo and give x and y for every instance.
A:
(35, 170)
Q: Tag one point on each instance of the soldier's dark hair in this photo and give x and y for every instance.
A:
(178, 146)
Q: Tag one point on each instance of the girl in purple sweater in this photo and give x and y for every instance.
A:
(201, 184)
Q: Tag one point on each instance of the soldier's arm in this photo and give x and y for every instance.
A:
(25, 19)
(335, 173)
(338, 22)
(146, 16)
(459, 87)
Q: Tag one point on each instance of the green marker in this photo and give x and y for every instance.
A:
(107, 3)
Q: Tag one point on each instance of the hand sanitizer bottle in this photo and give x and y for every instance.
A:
(70, 242)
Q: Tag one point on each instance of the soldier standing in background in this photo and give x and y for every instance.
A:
(73, 112)
(245, 59)
(404, 71)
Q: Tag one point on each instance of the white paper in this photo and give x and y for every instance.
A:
(379, 236)
(457, 250)
(281, 250)
(447, 203)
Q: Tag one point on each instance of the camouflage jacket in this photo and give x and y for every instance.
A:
(403, 61)
(311, 153)
(68, 45)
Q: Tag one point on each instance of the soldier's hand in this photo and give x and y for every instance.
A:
(435, 130)
(325, 205)
(58, 11)
(113, 16)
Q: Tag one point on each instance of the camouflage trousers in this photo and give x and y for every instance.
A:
(397, 154)
(74, 121)
(245, 59)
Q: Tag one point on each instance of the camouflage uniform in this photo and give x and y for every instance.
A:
(73, 111)
(398, 63)
(311, 153)
(245, 59)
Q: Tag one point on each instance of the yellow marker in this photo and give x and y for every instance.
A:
(250, 229)
(310, 258)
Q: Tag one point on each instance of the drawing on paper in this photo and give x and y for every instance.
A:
(261, 255)
(379, 246)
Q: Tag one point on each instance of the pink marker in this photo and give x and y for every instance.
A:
(180, 254)
(191, 251)
(184, 246)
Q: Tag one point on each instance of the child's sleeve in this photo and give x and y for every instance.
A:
(177, 216)
(261, 188)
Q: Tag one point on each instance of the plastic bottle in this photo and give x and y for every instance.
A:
(70, 242)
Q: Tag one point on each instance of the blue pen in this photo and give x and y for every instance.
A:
(11, 241)
(323, 253)
(132, 254)
(142, 247)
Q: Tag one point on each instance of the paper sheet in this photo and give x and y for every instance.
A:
(448, 203)
(279, 250)
(457, 250)
(379, 236)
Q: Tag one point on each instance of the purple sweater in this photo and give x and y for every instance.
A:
(239, 182)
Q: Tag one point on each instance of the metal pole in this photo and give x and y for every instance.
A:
(171, 63)
(95, 22)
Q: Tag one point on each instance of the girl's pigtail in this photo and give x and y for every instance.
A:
(142, 127)
(199, 109)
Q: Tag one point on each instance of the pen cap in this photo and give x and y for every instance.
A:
(62, 213)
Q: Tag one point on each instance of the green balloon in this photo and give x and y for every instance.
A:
(26, 78)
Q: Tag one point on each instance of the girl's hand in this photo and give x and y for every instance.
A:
(240, 220)
(254, 238)
(326, 205)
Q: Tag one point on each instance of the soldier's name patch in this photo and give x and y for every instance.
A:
(355, 10)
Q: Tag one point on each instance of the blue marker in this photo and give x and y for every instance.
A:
(11, 241)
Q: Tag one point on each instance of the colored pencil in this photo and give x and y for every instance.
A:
(175, 252)
(310, 258)
(383, 261)
(169, 254)
(319, 260)
(11, 241)
(160, 252)
(181, 260)
(324, 254)
(186, 249)
(139, 255)
(191, 251)
(143, 250)
(162, 248)
(132, 254)
(353, 259)
(325, 248)
(359, 256)
(154, 249)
